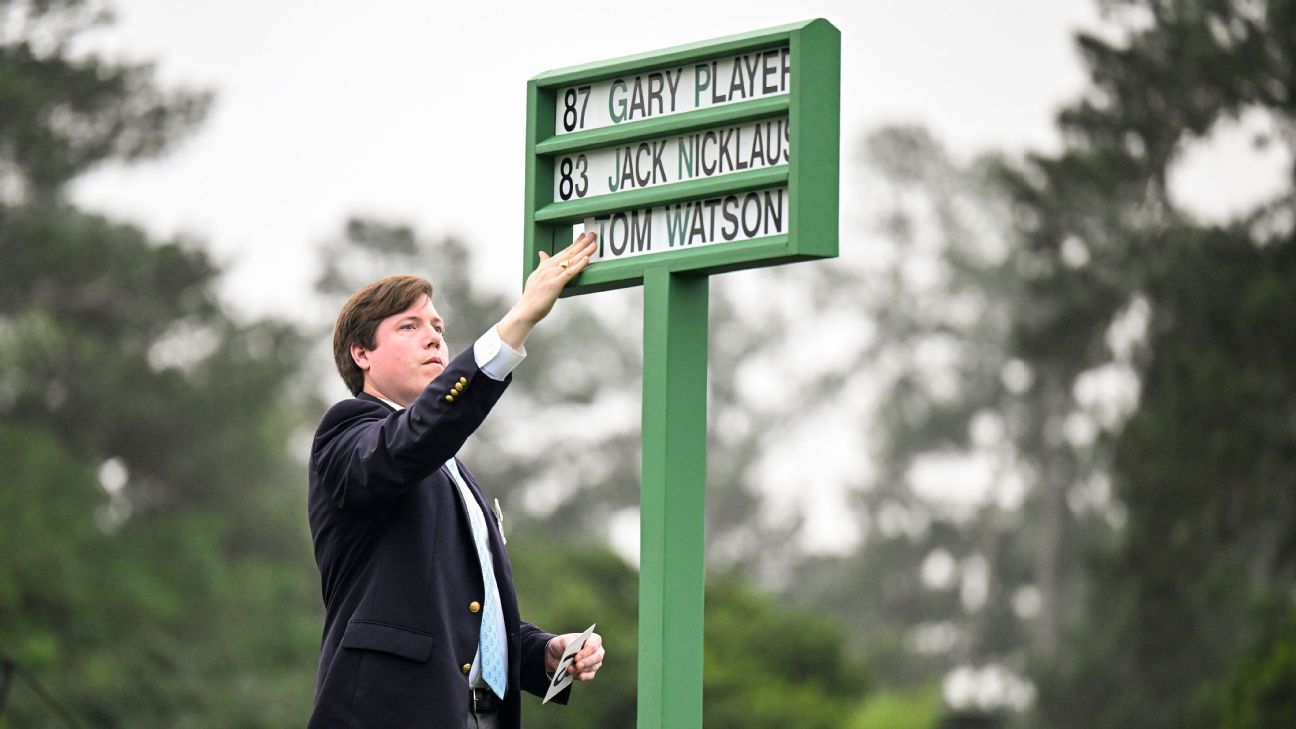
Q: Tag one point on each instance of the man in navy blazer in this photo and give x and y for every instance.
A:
(421, 624)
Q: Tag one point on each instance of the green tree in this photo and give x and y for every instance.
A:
(939, 292)
(1153, 525)
(1203, 469)
(147, 578)
(65, 113)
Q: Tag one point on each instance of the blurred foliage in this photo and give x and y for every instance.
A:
(147, 578)
(1115, 365)
(66, 112)
(1204, 469)
(767, 666)
(771, 666)
(1259, 694)
(938, 578)
(917, 709)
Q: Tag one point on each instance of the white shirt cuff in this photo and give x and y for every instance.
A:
(494, 357)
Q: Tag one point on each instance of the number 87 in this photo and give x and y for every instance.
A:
(572, 119)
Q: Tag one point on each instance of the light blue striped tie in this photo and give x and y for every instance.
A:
(492, 668)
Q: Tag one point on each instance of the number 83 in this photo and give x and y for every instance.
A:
(566, 184)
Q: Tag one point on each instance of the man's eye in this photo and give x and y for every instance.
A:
(407, 326)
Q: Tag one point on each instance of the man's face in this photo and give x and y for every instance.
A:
(410, 350)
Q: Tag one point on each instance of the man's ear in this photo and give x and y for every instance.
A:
(360, 356)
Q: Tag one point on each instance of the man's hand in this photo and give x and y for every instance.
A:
(542, 289)
(588, 661)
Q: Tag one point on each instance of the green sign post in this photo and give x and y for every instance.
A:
(688, 161)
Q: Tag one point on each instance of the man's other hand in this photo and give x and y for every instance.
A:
(588, 661)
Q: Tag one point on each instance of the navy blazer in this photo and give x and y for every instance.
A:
(398, 566)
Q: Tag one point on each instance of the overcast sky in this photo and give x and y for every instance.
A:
(414, 110)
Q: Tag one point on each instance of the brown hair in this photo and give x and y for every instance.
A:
(358, 321)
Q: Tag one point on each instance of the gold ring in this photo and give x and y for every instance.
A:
(564, 264)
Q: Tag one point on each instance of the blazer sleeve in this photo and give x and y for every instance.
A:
(364, 453)
(534, 678)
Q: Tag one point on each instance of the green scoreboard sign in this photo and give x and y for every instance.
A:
(703, 158)
(689, 161)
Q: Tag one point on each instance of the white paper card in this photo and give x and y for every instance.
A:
(561, 679)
